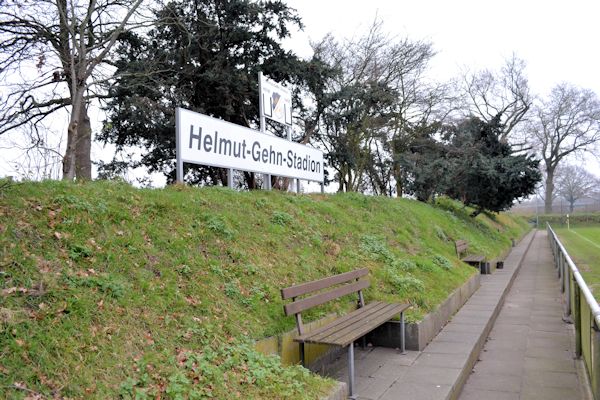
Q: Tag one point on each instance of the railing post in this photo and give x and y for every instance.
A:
(561, 273)
(565, 276)
(567, 295)
(595, 372)
(577, 318)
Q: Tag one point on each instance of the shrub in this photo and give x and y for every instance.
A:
(442, 262)
(218, 226)
(281, 218)
(407, 283)
(439, 232)
(376, 248)
(404, 265)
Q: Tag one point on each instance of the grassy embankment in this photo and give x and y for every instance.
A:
(108, 290)
(583, 245)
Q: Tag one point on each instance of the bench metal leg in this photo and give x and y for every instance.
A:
(403, 333)
(351, 371)
(302, 360)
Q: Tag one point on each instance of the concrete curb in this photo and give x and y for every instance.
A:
(338, 393)
(474, 355)
(419, 334)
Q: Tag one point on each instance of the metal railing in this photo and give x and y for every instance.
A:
(581, 308)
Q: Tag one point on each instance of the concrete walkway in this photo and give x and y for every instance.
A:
(528, 354)
(530, 351)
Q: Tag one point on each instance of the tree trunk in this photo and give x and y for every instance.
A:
(571, 205)
(70, 158)
(83, 147)
(549, 190)
(250, 178)
(398, 178)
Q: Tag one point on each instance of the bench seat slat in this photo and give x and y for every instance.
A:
(365, 325)
(349, 320)
(359, 329)
(364, 320)
(473, 258)
(318, 299)
(299, 290)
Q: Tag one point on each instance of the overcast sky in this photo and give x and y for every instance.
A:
(559, 40)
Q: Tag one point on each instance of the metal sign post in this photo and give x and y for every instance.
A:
(230, 178)
(297, 181)
(275, 103)
(179, 160)
(263, 122)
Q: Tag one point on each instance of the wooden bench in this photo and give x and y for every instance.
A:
(478, 261)
(345, 330)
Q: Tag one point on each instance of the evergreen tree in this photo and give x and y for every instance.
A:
(204, 56)
(425, 164)
(471, 165)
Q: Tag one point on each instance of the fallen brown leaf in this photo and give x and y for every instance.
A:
(11, 290)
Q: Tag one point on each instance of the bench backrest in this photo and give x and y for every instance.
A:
(346, 283)
(461, 247)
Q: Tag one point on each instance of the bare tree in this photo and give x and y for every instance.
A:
(52, 56)
(574, 183)
(372, 105)
(506, 93)
(34, 156)
(566, 124)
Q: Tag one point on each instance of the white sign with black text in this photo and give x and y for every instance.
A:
(209, 141)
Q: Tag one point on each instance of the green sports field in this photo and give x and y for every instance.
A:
(583, 245)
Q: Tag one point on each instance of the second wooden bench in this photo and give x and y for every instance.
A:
(476, 260)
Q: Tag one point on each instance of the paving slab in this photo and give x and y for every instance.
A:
(481, 394)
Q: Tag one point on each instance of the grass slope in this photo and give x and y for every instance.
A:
(108, 290)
